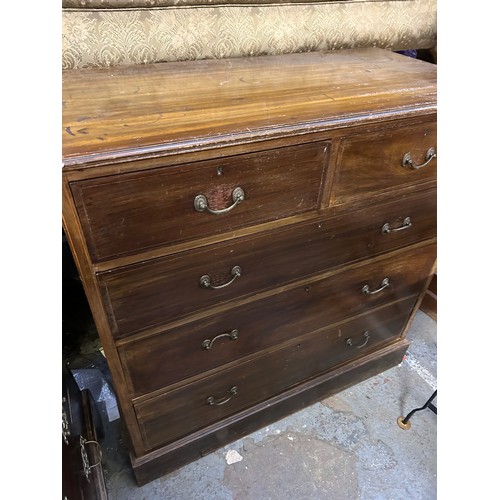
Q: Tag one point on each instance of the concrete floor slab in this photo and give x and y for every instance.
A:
(348, 446)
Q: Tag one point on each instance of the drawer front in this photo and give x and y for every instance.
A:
(187, 409)
(152, 294)
(376, 162)
(153, 363)
(127, 213)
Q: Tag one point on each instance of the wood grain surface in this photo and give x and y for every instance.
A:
(114, 209)
(107, 112)
(186, 409)
(151, 364)
(316, 141)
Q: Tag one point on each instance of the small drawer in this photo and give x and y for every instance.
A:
(174, 414)
(382, 161)
(125, 214)
(151, 294)
(153, 363)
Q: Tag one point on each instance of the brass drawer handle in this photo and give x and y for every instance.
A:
(207, 344)
(211, 399)
(384, 284)
(386, 228)
(206, 281)
(201, 202)
(408, 160)
(366, 336)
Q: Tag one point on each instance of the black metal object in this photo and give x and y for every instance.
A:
(404, 423)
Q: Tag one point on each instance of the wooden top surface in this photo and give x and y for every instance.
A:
(141, 110)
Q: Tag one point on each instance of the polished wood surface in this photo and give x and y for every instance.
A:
(110, 113)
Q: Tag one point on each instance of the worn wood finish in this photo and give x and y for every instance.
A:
(151, 363)
(405, 272)
(146, 295)
(199, 444)
(365, 168)
(94, 452)
(76, 240)
(79, 415)
(316, 141)
(429, 301)
(368, 206)
(186, 409)
(151, 108)
(113, 209)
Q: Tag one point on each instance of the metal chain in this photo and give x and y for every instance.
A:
(65, 424)
(85, 458)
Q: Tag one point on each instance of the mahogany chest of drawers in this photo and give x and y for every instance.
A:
(252, 234)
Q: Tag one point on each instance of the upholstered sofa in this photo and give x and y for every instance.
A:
(117, 32)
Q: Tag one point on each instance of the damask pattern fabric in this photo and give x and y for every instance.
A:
(140, 36)
(131, 4)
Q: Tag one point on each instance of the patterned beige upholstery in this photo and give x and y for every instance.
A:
(115, 32)
(147, 4)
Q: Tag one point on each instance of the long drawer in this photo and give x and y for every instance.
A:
(384, 160)
(199, 404)
(146, 295)
(152, 363)
(124, 214)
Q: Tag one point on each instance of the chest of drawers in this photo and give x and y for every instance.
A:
(252, 234)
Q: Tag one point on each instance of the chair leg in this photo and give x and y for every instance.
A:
(404, 423)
